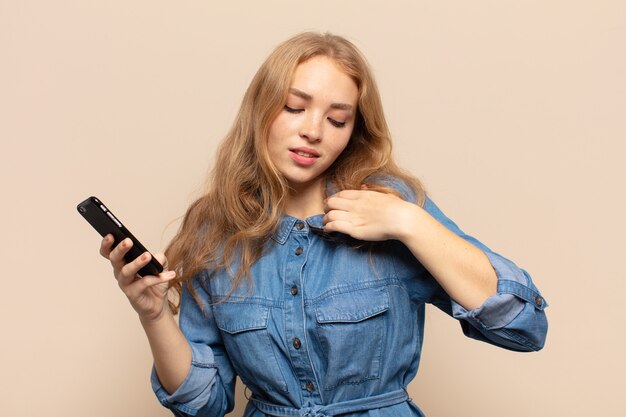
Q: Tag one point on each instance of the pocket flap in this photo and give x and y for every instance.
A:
(233, 317)
(352, 306)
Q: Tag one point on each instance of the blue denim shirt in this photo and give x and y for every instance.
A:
(331, 328)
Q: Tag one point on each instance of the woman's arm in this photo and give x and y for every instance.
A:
(187, 357)
(462, 269)
(170, 350)
(148, 296)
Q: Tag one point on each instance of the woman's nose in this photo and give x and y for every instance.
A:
(311, 128)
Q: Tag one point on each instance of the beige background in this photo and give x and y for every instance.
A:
(512, 112)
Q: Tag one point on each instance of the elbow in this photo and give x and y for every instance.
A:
(529, 331)
(541, 332)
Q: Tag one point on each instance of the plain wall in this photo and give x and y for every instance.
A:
(513, 113)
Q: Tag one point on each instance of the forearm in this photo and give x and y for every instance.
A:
(462, 269)
(170, 350)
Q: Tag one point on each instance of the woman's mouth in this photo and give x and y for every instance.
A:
(303, 156)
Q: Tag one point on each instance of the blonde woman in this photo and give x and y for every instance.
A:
(306, 266)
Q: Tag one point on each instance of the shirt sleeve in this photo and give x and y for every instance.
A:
(208, 389)
(514, 317)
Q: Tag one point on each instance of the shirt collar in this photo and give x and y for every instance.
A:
(289, 223)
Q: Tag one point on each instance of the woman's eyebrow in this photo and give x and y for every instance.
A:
(308, 97)
(300, 93)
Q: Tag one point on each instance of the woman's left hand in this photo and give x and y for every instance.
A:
(366, 215)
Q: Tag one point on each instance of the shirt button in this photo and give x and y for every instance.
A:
(294, 290)
(309, 386)
(297, 343)
(300, 225)
(299, 250)
(538, 301)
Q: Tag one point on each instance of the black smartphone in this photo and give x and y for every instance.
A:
(105, 222)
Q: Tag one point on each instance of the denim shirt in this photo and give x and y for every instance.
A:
(329, 327)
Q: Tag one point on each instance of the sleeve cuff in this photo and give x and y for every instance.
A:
(515, 289)
(195, 390)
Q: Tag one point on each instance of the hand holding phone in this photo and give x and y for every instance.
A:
(105, 222)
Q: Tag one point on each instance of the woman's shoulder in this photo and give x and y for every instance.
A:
(402, 187)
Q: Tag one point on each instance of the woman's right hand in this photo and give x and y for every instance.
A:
(148, 294)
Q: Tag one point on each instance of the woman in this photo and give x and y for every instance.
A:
(306, 266)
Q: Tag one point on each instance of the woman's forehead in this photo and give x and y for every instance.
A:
(322, 78)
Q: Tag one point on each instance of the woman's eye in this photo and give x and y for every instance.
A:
(336, 123)
(291, 109)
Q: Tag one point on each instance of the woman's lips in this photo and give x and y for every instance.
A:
(304, 156)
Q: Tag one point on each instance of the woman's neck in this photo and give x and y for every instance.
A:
(306, 200)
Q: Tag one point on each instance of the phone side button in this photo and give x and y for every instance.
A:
(117, 222)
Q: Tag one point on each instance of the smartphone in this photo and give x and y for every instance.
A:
(105, 222)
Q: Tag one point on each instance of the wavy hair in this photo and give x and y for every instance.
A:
(246, 194)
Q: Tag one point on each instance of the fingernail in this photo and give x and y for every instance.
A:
(169, 274)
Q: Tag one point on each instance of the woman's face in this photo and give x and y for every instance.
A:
(315, 125)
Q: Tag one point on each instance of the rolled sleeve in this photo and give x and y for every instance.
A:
(208, 388)
(513, 317)
(513, 292)
(195, 390)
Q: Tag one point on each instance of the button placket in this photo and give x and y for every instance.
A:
(297, 253)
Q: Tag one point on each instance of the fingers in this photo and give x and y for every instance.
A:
(363, 214)
(138, 287)
(341, 209)
(342, 226)
(343, 200)
(336, 215)
(128, 272)
(116, 256)
(349, 194)
(106, 246)
(346, 199)
(118, 252)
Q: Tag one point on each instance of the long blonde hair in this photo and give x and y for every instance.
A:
(246, 193)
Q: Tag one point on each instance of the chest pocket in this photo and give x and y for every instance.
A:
(350, 328)
(249, 344)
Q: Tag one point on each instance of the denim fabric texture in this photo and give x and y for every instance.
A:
(330, 327)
